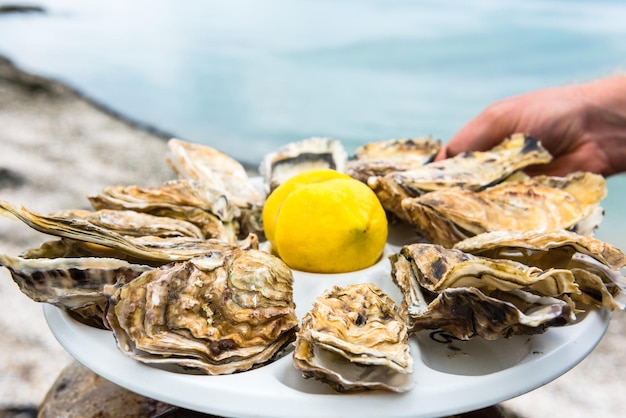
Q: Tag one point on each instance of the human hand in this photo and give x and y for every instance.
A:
(582, 126)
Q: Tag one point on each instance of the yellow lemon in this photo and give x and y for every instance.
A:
(329, 226)
(275, 200)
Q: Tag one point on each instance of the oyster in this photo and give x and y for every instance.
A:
(220, 314)
(190, 200)
(220, 172)
(384, 157)
(215, 169)
(470, 170)
(595, 264)
(502, 306)
(448, 216)
(353, 339)
(132, 224)
(438, 268)
(73, 284)
(143, 247)
(536, 247)
(296, 157)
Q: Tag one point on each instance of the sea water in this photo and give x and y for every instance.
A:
(247, 76)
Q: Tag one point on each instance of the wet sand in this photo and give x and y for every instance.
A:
(57, 146)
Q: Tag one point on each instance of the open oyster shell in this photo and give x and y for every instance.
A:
(595, 264)
(469, 296)
(353, 339)
(73, 284)
(296, 157)
(193, 201)
(161, 248)
(219, 314)
(448, 216)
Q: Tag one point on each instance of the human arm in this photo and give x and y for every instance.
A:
(582, 126)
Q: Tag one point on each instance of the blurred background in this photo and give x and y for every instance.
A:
(246, 76)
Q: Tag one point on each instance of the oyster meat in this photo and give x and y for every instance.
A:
(381, 158)
(218, 314)
(296, 157)
(468, 296)
(448, 216)
(353, 339)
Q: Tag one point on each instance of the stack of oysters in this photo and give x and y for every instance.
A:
(177, 274)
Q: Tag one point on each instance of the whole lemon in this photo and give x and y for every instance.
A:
(326, 223)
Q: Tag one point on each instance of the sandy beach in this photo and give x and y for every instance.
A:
(57, 146)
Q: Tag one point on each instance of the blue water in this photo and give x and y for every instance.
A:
(247, 76)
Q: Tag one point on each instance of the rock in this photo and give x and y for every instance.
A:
(80, 393)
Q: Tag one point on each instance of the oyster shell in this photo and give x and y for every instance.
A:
(220, 172)
(384, 157)
(353, 339)
(500, 307)
(132, 224)
(143, 247)
(207, 208)
(470, 170)
(220, 314)
(296, 157)
(536, 247)
(595, 264)
(215, 169)
(448, 216)
(438, 268)
(73, 284)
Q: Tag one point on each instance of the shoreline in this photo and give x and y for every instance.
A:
(58, 146)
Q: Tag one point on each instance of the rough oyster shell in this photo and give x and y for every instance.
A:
(438, 268)
(353, 339)
(448, 216)
(142, 247)
(220, 314)
(384, 157)
(73, 284)
(470, 170)
(296, 157)
(132, 224)
(465, 312)
(215, 169)
(594, 264)
(189, 200)
(530, 247)
(220, 172)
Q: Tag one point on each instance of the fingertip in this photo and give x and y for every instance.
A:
(442, 154)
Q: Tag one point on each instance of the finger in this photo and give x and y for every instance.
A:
(442, 154)
(483, 132)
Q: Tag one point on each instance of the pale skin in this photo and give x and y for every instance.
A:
(583, 126)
